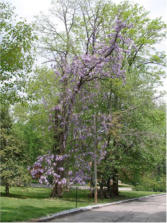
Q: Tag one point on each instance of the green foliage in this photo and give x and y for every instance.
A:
(43, 87)
(16, 53)
(137, 142)
(146, 153)
(149, 183)
(32, 124)
(12, 167)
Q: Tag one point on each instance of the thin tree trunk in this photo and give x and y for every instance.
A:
(7, 189)
(101, 191)
(95, 161)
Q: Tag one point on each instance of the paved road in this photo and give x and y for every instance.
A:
(152, 209)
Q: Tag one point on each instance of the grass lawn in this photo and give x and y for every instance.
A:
(29, 203)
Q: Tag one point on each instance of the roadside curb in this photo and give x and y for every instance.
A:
(87, 208)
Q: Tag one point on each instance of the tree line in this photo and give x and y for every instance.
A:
(90, 113)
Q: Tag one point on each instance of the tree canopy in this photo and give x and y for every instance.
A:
(92, 113)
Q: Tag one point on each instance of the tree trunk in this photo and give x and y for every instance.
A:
(7, 189)
(101, 191)
(108, 184)
(57, 191)
(114, 189)
(95, 161)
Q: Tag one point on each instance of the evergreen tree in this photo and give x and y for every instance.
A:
(12, 171)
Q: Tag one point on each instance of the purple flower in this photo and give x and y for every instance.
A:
(63, 181)
(61, 169)
(70, 173)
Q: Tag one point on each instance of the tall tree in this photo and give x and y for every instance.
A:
(12, 169)
(92, 48)
(105, 62)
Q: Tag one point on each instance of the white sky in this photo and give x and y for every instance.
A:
(29, 8)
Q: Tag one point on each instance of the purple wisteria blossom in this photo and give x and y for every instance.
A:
(74, 133)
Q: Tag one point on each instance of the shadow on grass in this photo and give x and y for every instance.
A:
(81, 198)
(22, 196)
(24, 193)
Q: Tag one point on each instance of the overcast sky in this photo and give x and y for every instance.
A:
(29, 8)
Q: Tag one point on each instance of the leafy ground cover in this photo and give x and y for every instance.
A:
(26, 203)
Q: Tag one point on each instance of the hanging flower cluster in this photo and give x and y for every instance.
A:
(47, 169)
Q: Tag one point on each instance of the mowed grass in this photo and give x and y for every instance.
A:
(26, 203)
